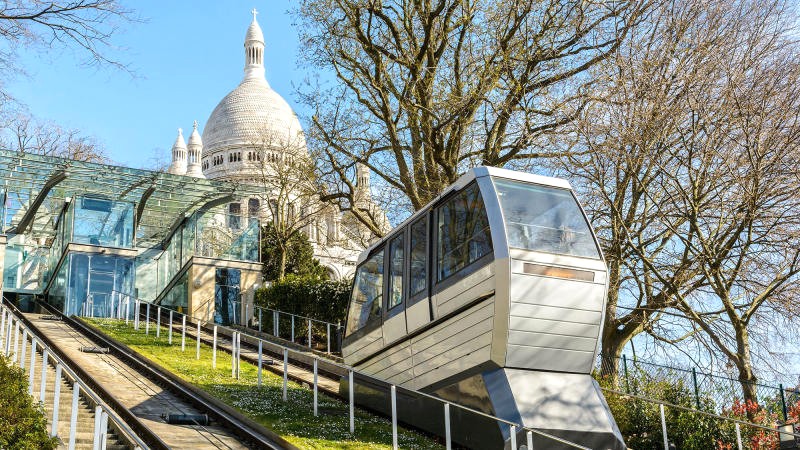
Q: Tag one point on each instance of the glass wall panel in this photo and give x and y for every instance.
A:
(178, 297)
(103, 222)
(463, 229)
(25, 265)
(99, 285)
(148, 283)
(226, 295)
(215, 239)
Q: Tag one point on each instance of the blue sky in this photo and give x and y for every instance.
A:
(186, 56)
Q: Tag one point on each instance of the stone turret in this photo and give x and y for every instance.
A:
(179, 155)
(195, 150)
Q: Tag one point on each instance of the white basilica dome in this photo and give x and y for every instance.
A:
(252, 125)
(248, 115)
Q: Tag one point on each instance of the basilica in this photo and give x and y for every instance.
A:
(248, 138)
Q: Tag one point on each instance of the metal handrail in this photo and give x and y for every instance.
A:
(685, 408)
(350, 369)
(123, 426)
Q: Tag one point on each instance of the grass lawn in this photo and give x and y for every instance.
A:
(293, 419)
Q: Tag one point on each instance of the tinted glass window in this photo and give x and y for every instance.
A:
(419, 257)
(395, 272)
(365, 302)
(463, 231)
(544, 219)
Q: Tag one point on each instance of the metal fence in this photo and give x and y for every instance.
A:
(16, 341)
(515, 430)
(639, 377)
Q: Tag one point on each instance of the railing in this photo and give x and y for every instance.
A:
(721, 390)
(13, 333)
(313, 333)
(514, 429)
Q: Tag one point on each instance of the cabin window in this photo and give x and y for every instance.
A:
(395, 272)
(418, 278)
(544, 219)
(463, 231)
(365, 303)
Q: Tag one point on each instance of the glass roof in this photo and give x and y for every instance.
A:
(42, 183)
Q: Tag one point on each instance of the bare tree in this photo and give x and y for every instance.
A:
(291, 191)
(688, 169)
(427, 89)
(82, 25)
(23, 133)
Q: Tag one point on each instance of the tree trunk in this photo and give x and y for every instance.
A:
(281, 262)
(744, 364)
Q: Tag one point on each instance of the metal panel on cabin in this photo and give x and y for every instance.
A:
(536, 290)
(556, 313)
(557, 360)
(394, 328)
(418, 315)
(472, 286)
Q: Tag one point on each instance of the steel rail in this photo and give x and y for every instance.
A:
(243, 427)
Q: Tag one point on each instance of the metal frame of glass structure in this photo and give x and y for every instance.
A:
(89, 234)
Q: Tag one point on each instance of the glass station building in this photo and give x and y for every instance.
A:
(91, 239)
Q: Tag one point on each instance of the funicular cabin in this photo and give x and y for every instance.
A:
(491, 296)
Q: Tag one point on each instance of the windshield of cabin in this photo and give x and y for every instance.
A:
(544, 219)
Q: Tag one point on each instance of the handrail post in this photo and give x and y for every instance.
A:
(316, 361)
(233, 355)
(260, 310)
(309, 333)
(285, 372)
(15, 358)
(31, 369)
(394, 417)
(275, 323)
(73, 418)
(183, 334)
(738, 436)
(328, 333)
(292, 327)
(56, 398)
(98, 418)
(24, 348)
(513, 436)
(530, 440)
(170, 327)
(147, 319)
(214, 350)
(664, 426)
(158, 322)
(260, 359)
(448, 442)
(351, 390)
(198, 340)
(44, 374)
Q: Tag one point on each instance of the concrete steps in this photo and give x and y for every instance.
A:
(84, 436)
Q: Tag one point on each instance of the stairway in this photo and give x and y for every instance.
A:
(86, 408)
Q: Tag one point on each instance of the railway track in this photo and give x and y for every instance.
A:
(144, 395)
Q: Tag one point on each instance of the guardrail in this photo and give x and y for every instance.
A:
(295, 327)
(722, 390)
(15, 334)
(515, 430)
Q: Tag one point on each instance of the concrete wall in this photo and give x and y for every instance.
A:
(202, 274)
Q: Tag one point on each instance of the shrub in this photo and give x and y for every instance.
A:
(22, 423)
(639, 421)
(307, 296)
